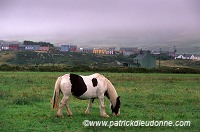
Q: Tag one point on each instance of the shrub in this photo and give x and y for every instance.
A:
(84, 68)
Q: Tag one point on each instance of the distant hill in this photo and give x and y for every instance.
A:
(185, 41)
(180, 63)
(78, 59)
(67, 58)
(4, 57)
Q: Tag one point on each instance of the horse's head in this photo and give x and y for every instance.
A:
(116, 109)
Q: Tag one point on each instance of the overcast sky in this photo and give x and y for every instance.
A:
(41, 20)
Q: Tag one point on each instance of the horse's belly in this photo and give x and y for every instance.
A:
(86, 96)
(89, 94)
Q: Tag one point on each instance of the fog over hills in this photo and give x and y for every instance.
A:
(185, 42)
(147, 24)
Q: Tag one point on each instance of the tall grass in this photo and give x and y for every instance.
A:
(25, 102)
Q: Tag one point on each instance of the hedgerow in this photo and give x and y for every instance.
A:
(84, 68)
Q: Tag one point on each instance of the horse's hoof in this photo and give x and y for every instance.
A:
(60, 116)
(69, 115)
(106, 116)
(86, 112)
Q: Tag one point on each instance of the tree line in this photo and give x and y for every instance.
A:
(26, 42)
(83, 68)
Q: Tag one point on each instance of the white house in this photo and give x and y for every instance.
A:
(180, 57)
(192, 57)
(188, 57)
(4, 47)
(196, 57)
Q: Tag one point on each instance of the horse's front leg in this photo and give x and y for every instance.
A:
(89, 106)
(102, 107)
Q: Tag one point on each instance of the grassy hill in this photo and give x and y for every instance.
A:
(65, 58)
(4, 57)
(180, 63)
(77, 59)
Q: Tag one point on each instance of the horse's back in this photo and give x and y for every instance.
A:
(83, 87)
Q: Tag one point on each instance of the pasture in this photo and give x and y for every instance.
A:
(25, 102)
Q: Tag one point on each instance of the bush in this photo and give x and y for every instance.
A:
(83, 68)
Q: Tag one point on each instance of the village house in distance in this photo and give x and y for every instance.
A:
(68, 48)
(126, 51)
(145, 59)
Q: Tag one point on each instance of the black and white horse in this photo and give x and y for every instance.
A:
(85, 87)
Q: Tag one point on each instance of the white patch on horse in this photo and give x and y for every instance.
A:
(92, 92)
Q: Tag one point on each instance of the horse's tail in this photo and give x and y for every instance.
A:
(56, 94)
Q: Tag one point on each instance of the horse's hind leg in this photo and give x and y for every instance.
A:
(69, 112)
(62, 103)
(89, 106)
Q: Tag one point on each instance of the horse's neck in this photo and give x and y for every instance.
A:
(112, 93)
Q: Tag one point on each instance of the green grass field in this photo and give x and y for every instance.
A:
(25, 102)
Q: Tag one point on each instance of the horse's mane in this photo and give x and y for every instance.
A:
(112, 92)
(110, 89)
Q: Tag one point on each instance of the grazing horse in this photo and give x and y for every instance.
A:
(85, 87)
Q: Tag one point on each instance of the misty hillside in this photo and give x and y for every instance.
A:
(185, 42)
